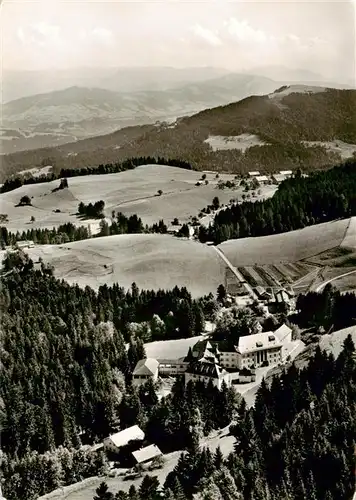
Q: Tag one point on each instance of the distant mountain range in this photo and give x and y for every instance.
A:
(156, 94)
(17, 84)
(78, 112)
(269, 132)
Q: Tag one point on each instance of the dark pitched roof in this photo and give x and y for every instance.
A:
(206, 369)
(224, 346)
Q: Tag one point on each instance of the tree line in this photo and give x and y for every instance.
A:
(109, 168)
(65, 233)
(299, 202)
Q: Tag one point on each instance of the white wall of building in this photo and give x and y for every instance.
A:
(229, 359)
(138, 380)
(258, 357)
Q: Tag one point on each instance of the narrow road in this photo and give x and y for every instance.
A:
(320, 287)
(236, 273)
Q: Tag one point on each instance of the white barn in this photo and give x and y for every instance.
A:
(147, 454)
(114, 442)
(144, 370)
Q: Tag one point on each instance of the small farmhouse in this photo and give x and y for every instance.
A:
(25, 244)
(254, 173)
(262, 293)
(262, 179)
(147, 454)
(283, 296)
(278, 178)
(204, 371)
(144, 370)
(120, 439)
(255, 350)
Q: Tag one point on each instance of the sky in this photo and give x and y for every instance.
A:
(315, 35)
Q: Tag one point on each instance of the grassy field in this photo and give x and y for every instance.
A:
(152, 261)
(130, 192)
(298, 258)
(286, 247)
(170, 349)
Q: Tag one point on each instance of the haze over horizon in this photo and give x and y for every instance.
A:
(317, 37)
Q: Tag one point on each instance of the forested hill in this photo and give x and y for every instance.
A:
(281, 121)
(299, 202)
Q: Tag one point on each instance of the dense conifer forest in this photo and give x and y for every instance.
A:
(109, 168)
(328, 309)
(299, 202)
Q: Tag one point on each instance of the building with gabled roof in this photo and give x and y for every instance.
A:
(255, 350)
(115, 442)
(144, 370)
(278, 178)
(205, 371)
(254, 173)
(283, 333)
(262, 179)
(262, 293)
(283, 296)
(147, 454)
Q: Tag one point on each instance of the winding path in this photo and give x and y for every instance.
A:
(322, 285)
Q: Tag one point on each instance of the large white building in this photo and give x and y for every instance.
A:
(255, 350)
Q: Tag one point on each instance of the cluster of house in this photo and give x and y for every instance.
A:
(276, 178)
(215, 361)
(279, 296)
(134, 437)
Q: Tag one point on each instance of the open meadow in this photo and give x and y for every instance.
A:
(286, 247)
(130, 192)
(152, 261)
(304, 259)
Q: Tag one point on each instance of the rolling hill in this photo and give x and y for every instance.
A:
(77, 112)
(152, 261)
(283, 121)
(130, 192)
